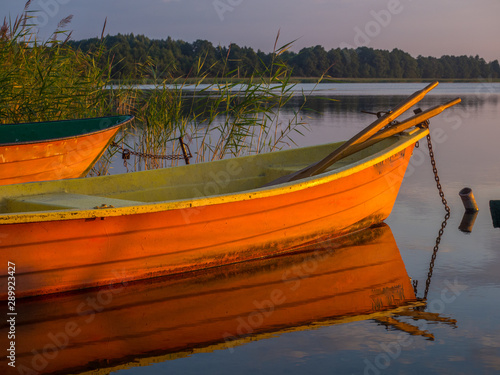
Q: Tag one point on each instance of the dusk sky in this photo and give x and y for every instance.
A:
(420, 27)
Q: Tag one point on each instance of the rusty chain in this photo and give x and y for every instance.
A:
(446, 217)
(436, 176)
(127, 152)
(443, 224)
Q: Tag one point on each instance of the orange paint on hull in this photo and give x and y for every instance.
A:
(353, 278)
(52, 160)
(129, 247)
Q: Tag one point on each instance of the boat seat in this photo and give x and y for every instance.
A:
(56, 201)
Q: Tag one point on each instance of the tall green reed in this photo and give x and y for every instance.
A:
(48, 80)
(226, 117)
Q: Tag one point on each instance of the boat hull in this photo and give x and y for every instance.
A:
(60, 255)
(55, 159)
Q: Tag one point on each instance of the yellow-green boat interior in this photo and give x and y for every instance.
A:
(171, 184)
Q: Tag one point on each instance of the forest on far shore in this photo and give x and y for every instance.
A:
(177, 58)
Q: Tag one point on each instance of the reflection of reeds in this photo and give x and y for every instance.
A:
(43, 81)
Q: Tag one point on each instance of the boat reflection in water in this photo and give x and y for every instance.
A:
(357, 277)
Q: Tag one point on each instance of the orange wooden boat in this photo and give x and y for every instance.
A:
(357, 277)
(54, 150)
(80, 233)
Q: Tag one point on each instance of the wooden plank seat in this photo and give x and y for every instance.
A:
(54, 201)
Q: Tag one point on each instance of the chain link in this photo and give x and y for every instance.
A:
(436, 176)
(126, 152)
(443, 224)
(434, 254)
(186, 154)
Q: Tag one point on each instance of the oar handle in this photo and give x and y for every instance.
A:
(407, 103)
(402, 126)
(365, 134)
(361, 137)
(414, 120)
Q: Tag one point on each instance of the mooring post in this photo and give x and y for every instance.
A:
(495, 213)
(468, 200)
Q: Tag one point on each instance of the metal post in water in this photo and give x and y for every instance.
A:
(495, 213)
(468, 200)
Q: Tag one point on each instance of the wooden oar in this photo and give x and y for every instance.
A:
(402, 126)
(362, 136)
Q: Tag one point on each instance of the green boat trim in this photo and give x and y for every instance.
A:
(38, 132)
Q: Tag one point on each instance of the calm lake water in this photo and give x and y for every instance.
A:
(305, 331)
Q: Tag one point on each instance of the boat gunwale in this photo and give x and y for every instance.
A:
(127, 119)
(404, 141)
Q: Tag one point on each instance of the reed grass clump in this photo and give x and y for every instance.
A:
(49, 80)
(224, 118)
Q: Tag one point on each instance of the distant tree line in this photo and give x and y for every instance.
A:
(178, 58)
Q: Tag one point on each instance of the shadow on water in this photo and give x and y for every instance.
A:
(359, 277)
